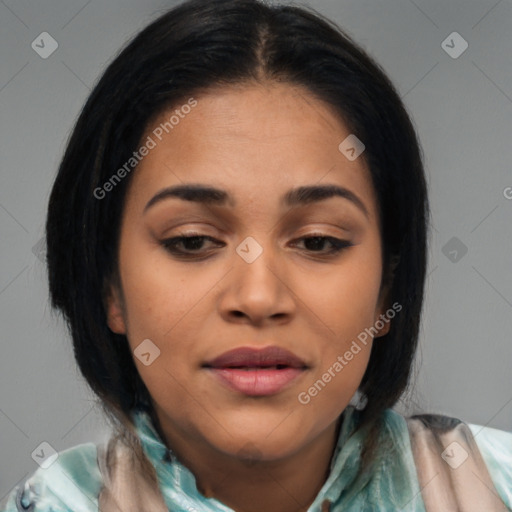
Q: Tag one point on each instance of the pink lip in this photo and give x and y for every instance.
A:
(253, 372)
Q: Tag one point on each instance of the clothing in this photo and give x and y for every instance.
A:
(73, 482)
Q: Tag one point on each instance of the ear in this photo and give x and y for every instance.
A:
(115, 310)
(385, 299)
(382, 320)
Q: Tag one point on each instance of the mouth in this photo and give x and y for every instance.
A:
(257, 372)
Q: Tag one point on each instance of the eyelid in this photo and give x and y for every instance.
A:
(337, 245)
(307, 224)
(340, 219)
(307, 234)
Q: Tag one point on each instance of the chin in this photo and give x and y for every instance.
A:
(260, 444)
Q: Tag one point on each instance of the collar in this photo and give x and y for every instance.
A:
(178, 484)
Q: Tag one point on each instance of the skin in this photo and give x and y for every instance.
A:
(256, 141)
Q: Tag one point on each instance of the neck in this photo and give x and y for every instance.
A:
(286, 485)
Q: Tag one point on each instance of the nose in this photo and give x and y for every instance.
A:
(257, 289)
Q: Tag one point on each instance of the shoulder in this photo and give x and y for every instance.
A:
(413, 447)
(396, 475)
(70, 480)
(496, 449)
(390, 481)
(454, 457)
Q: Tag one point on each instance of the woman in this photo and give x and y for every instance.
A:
(237, 238)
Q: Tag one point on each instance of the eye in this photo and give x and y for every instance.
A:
(193, 243)
(317, 241)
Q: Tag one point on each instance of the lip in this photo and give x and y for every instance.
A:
(257, 372)
(254, 357)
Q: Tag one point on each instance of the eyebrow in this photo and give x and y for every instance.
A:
(299, 196)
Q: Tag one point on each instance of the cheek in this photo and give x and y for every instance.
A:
(162, 304)
(330, 390)
(156, 292)
(343, 302)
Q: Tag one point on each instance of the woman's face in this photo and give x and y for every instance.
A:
(253, 280)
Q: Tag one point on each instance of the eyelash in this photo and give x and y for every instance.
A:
(171, 243)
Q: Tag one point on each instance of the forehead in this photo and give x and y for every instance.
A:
(258, 141)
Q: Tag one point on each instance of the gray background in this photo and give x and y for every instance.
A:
(462, 108)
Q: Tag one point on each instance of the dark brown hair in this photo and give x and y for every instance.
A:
(198, 45)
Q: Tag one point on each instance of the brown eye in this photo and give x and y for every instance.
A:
(191, 244)
(316, 243)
